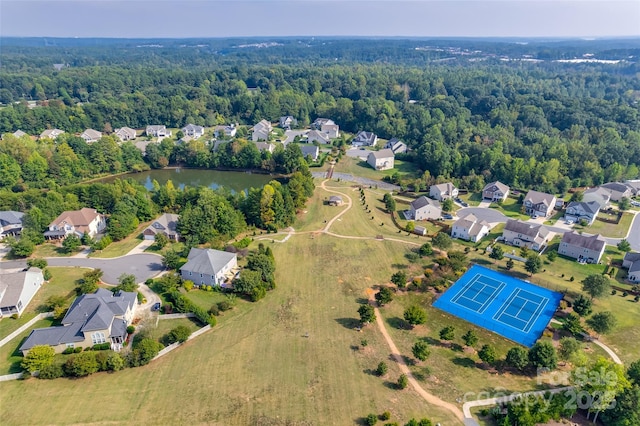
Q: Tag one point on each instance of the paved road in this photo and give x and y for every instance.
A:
(143, 266)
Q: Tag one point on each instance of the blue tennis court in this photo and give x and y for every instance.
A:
(512, 308)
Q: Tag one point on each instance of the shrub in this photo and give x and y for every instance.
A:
(50, 372)
(14, 316)
(403, 381)
(115, 362)
(371, 420)
(77, 350)
(68, 351)
(382, 369)
(82, 364)
(385, 416)
(225, 305)
(131, 329)
(625, 293)
(614, 292)
(101, 347)
(214, 310)
(38, 357)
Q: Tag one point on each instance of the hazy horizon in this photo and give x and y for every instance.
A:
(315, 18)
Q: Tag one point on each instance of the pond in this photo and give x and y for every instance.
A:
(235, 181)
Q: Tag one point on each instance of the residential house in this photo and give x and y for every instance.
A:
(634, 184)
(19, 133)
(225, 131)
(185, 139)
(166, 224)
(193, 131)
(10, 223)
(364, 139)
(424, 208)
(443, 191)
(91, 136)
(581, 210)
(602, 196)
(265, 146)
(318, 136)
(261, 131)
(495, 191)
(157, 131)
(319, 122)
(396, 145)
(92, 319)
(287, 122)
(631, 261)
(539, 204)
(208, 266)
(335, 200)
(310, 151)
(332, 130)
(51, 133)
(619, 190)
(524, 234)
(470, 228)
(381, 160)
(583, 248)
(77, 222)
(125, 134)
(17, 289)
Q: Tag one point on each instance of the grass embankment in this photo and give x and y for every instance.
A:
(608, 229)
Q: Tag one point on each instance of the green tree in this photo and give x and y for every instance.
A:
(410, 227)
(371, 419)
(442, 241)
(39, 356)
(403, 381)
(624, 245)
(543, 355)
(447, 205)
(37, 263)
(596, 285)
(71, 243)
(602, 322)
(488, 354)
(384, 296)
(82, 364)
(572, 324)
(425, 250)
(382, 369)
(582, 306)
(533, 264)
(517, 358)
(389, 202)
(626, 410)
(470, 338)
(603, 380)
(497, 253)
(447, 333)
(143, 352)
(568, 347)
(510, 264)
(399, 279)
(115, 362)
(367, 313)
(624, 204)
(577, 196)
(23, 247)
(161, 240)
(415, 315)
(178, 334)
(421, 350)
(127, 282)
(552, 255)
(171, 259)
(633, 372)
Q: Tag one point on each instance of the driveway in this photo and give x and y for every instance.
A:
(142, 266)
(358, 153)
(490, 215)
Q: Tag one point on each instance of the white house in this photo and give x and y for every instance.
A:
(91, 135)
(579, 210)
(287, 121)
(364, 139)
(261, 131)
(424, 208)
(631, 261)
(524, 234)
(470, 228)
(443, 191)
(381, 160)
(225, 131)
(495, 191)
(157, 131)
(319, 122)
(583, 248)
(193, 131)
(208, 266)
(51, 133)
(396, 145)
(17, 289)
(125, 133)
(539, 204)
(77, 222)
(332, 130)
(619, 190)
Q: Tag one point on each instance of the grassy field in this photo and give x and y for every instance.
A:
(510, 208)
(124, 246)
(62, 283)
(164, 326)
(50, 250)
(361, 168)
(609, 229)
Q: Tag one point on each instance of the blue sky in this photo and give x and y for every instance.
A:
(220, 18)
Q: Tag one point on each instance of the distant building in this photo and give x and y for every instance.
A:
(420, 230)
(443, 191)
(157, 131)
(318, 136)
(631, 261)
(76, 222)
(51, 133)
(381, 160)
(225, 131)
(310, 151)
(193, 131)
(208, 266)
(396, 145)
(583, 248)
(470, 228)
(261, 131)
(364, 139)
(580, 210)
(287, 122)
(91, 136)
(10, 223)
(166, 224)
(602, 196)
(265, 146)
(319, 122)
(19, 133)
(495, 191)
(619, 190)
(125, 134)
(539, 204)
(17, 289)
(335, 200)
(332, 130)
(424, 208)
(524, 234)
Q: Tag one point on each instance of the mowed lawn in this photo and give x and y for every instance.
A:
(256, 367)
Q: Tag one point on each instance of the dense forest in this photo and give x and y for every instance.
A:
(544, 125)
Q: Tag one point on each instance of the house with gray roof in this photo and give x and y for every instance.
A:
(581, 210)
(51, 133)
(208, 266)
(381, 160)
(92, 319)
(318, 136)
(495, 191)
(583, 248)
(539, 204)
(602, 196)
(193, 130)
(265, 146)
(125, 134)
(10, 223)
(396, 145)
(631, 261)
(225, 131)
(310, 151)
(261, 131)
(166, 224)
(19, 133)
(424, 208)
(287, 122)
(364, 139)
(91, 135)
(17, 289)
(319, 122)
(442, 191)
(525, 234)
(470, 228)
(157, 131)
(618, 190)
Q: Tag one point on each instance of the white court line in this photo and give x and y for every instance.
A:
(527, 325)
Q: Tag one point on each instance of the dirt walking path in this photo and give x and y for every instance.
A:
(395, 353)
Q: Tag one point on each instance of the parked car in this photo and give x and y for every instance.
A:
(156, 306)
(464, 204)
(447, 216)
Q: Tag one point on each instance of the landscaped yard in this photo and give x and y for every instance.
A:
(471, 198)
(50, 249)
(609, 229)
(166, 325)
(124, 246)
(510, 208)
(10, 357)
(361, 168)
